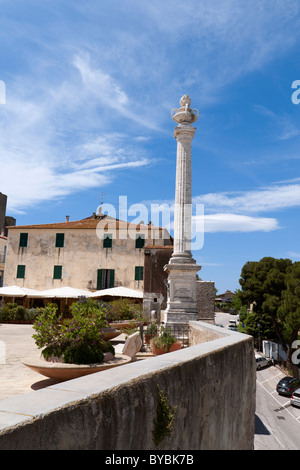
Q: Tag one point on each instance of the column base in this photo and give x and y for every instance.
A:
(182, 292)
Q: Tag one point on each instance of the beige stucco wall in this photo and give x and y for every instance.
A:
(82, 255)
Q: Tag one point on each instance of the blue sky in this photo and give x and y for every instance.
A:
(89, 91)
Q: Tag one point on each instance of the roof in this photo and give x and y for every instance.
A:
(87, 223)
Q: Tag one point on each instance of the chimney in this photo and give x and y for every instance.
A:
(67, 218)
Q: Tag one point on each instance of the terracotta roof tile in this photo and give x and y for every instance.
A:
(88, 223)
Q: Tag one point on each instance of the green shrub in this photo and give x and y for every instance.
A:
(123, 309)
(79, 340)
(31, 314)
(12, 312)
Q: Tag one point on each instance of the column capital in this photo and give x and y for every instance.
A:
(186, 131)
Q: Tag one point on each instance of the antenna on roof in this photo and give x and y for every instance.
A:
(99, 208)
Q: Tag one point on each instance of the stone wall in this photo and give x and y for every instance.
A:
(3, 202)
(206, 301)
(209, 387)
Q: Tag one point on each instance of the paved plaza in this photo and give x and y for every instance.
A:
(16, 345)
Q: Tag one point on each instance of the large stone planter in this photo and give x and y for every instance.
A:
(110, 333)
(61, 372)
(125, 324)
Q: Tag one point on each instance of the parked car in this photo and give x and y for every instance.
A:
(287, 385)
(233, 328)
(232, 325)
(295, 398)
(262, 361)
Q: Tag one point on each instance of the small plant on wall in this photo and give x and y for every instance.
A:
(165, 415)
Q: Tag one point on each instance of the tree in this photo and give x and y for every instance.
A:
(274, 286)
(289, 311)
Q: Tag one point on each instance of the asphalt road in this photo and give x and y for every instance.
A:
(277, 423)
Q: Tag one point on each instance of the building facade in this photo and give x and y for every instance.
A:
(95, 253)
(3, 243)
(4, 219)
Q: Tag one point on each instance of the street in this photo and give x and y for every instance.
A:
(277, 423)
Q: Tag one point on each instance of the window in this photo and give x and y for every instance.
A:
(60, 240)
(23, 239)
(105, 278)
(140, 241)
(139, 273)
(57, 272)
(107, 241)
(21, 271)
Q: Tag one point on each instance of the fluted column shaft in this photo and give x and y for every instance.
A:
(183, 194)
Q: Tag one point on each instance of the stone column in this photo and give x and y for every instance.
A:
(182, 268)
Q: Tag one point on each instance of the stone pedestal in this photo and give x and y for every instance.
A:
(182, 294)
(182, 268)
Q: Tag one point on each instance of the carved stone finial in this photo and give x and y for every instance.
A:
(185, 114)
(185, 100)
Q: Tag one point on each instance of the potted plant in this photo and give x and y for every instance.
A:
(165, 342)
(124, 314)
(76, 340)
(150, 332)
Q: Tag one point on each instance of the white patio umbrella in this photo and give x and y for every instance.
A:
(16, 291)
(64, 293)
(118, 292)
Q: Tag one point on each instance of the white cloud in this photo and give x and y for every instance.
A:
(46, 150)
(292, 254)
(272, 198)
(105, 89)
(284, 128)
(238, 223)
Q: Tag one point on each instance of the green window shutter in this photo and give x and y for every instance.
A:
(21, 271)
(139, 273)
(57, 272)
(60, 240)
(107, 241)
(23, 239)
(99, 279)
(112, 278)
(140, 241)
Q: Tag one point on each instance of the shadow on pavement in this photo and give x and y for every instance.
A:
(260, 428)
